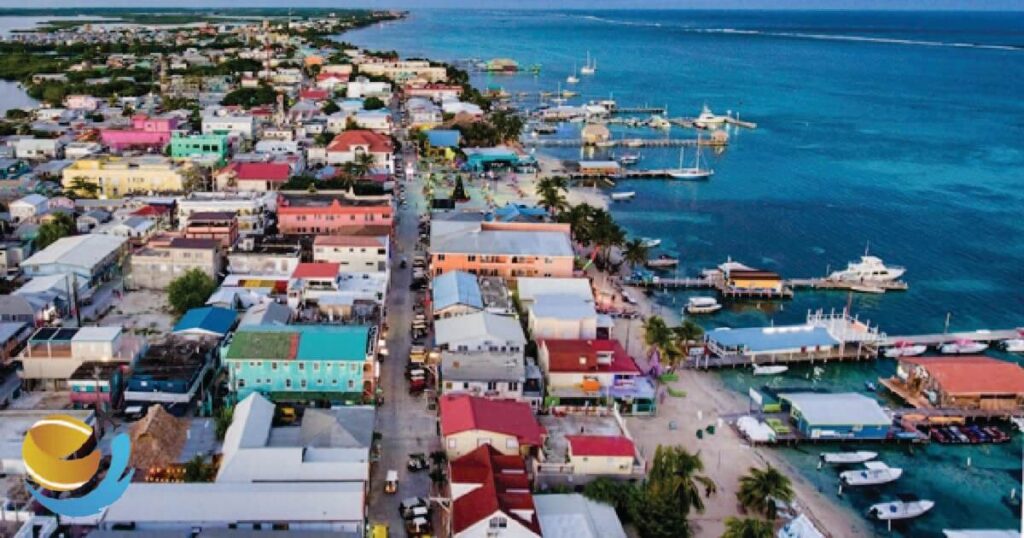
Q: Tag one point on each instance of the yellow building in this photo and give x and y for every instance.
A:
(116, 176)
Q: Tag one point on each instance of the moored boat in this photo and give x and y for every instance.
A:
(690, 172)
(859, 456)
(963, 346)
(870, 269)
(628, 159)
(662, 262)
(905, 349)
(708, 119)
(621, 196)
(704, 305)
(650, 242)
(1014, 345)
(770, 369)
(895, 510)
(874, 473)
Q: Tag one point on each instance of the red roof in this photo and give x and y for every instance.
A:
(151, 210)
(600, 445)
(326, 76)
(504, 486)
(461, 412)
(315, 94)
(972, 375)
(376, 142)
(277, 172)
(316, 270)
(581, 356)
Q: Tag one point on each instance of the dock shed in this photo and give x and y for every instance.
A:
(846, 415)
(960, 382)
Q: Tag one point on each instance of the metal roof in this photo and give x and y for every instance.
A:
(839, 409)
(773, 339)
(78, 250)
(457, 287)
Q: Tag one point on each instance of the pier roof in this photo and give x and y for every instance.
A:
(841, 409)
(769, 339)
(972, 375)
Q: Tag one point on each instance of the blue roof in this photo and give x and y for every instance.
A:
(510, 212)
(444, 138)
(456, 287)
(773, 339)
(209, 318)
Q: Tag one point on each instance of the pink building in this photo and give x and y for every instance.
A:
(333, 216)
(146, 133)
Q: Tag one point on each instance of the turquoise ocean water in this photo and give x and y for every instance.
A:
(905, 130)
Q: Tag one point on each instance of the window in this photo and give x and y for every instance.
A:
(498, 523)
(302, 383)
(511, 444)
(302, 366)
(513, 385)
(492, 385)
(351, 384)
(287, 383)
(273, 365)
(453, 444)
(241, 383)
(354, 367)
(316, 366)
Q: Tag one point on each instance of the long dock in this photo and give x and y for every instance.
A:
(830, 284)
(640, 110)
(623, 143)
(935, 339)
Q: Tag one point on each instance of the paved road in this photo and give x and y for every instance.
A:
(405, 423)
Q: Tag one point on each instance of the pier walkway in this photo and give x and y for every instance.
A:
(982, 335)
(622, 143)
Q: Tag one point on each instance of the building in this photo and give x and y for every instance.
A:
(740, 279)
(405, 70)
(349, 145)
(253, 176)
(137, 230)
(567, 317)
(265, 256)
(491, 496)
(96, 383)
(12, 252)
(586, 373)
(146, 133)
(435, 92)
(443, 142)
(268, 313)
(599, 168)
(423, 114)
(204, 148)
(502, 249)
(468, 422)
(114, 177)
(530, 289)
(38, 149)
(353, 253)
(303, 363)
(89, 259)
(571, 515)
(483, 373)
(837, 416)
(89, 221)
(242, 125)
(206, 322)
(601, 455)
(456, 293)
(80, 150)
(13, 425)
(173, 373)
(362, 88)
(479, 159)
(250, 208)
(157, 265)
(52, 355)
(221, 226)
(960, 383)
(28, 207)
(334, 215)
(482, 331)
(12, 335)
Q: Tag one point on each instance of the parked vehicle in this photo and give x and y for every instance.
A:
(391, 482)
(417, 462)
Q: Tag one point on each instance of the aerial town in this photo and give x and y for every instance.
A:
(327, 291)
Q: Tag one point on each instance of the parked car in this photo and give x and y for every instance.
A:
(407, 505)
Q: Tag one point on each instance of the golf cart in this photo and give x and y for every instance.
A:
(417, 462)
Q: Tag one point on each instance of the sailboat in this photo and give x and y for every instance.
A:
(559, 99)
(589, 68)
(694, 172)
(572, 78)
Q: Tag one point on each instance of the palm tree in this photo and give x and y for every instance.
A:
(747, 528)
(581, 220)
(551, 191)
(363, 163)
(676, 473)
(635, 252)
(657, 335)
(760, 488)
(687, 333)
(606, 233)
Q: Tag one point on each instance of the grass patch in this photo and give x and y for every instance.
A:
(676, 393)
(669, 377)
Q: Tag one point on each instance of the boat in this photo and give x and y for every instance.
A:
(708, 305)
(620, 196)
(770, 370)
(1014, 345)
(535, 69)
(870, 386)
(905, 349)
(869, 269)
(874, 473)
(708, 119)
(589, 68)
(894, 510)
(963, 346)
(663, 262)
(572, 78)
(650, 242)
(628, 159)
(842, 458)
(867, 288)
(693, 172)
(658, 122)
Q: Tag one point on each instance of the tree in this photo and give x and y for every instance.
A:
(459, 192)
(363, 164)
(551, 191)
(760, 488)
(197, 470)
(747, 528)
(676, 474)
(635, 252)
(83, 188)
(373, 103)
(507, 125)
(323, 138)
(250, 97)
(686, 334)
(222, 421)
(62, 225)
(657, 335)
(330, 107)
(190, 290)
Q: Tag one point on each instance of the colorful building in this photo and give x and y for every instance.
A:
(347, 146)
(960, 382)
(467, 422)
(96, 382)
(329, 215)
(491, 496)
(200, 147)
(260, 177)
(503, 249)
(837, 416)
(219, 225)
(303, 363)
(146, 133)
(114, 177)
(588, 373)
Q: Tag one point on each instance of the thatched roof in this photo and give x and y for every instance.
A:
(157, 439)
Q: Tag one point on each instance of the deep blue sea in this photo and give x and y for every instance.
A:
(904, 131)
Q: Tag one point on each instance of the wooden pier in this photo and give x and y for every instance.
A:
(660, 110)
(842, 285)
(622, 143)
(982, 335)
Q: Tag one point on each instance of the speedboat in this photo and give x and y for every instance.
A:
(962, 347)
(905, 349)
(869, 269)
(770, 370)
(841, 458)
(873, 474)
(706, 305)
(629, 159)
(620, 196)
(708, 119)
(1014, 345)
(900, 509)
(663, 262)
(650, 242)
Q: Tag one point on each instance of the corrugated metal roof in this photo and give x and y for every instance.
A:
(457, 287)
(839, 409)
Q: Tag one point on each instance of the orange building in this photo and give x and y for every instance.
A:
(508, 250)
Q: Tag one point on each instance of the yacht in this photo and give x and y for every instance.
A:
(868, 269)
(658, 122)
(873, 474)
(708, 119)
(770, 370)
(693, 172)
(900, 509)
(964, 346)
(589, 68)
(840, 458)
(1014, 345)
(905, 349)
(705, 305)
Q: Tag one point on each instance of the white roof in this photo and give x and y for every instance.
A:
(224, 502)
(96, 334)
(78, 250)
(565, 307)
(31, 199)
(479, 326)
(530, 288)
(574, 516)
(842, 409)
(250, 425)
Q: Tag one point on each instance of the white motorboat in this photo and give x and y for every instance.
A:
(620, 196)
(704, 305)
(663, 262)
(1014, 345)
(963, 346)
(900, 509)
(658, 122)
(845, 458)
(708, 119)
(692, 172)
(873, 474)
(770, 369)
(589, 68)
(905, 349)
(628, 159)
(650, 242)
(869, 269)
(867, 288)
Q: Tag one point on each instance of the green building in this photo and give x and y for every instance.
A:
(200, 147)
(302, 363)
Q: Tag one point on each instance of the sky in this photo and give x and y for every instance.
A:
(969, 5)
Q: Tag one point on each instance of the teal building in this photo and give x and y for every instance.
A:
(302, 363)
(201, 147)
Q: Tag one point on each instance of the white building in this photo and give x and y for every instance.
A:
(277, 147)
(28, 207)
(38, 148)
(362, 88)
(250, 208)
(354, 253)
(240, 125)
(481, 331)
